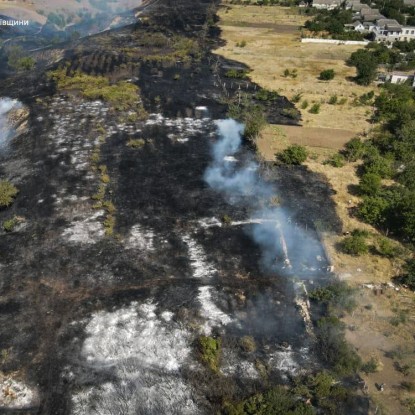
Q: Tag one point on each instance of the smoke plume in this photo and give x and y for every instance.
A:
(284, 244)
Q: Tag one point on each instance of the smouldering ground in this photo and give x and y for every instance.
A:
(272, 36)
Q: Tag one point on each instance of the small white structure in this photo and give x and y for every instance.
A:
(398, 78)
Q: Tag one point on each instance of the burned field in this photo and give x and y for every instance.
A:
(136, 281)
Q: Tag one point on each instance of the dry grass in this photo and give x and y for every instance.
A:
(273, 44)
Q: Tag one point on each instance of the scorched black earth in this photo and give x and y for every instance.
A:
(125, 259)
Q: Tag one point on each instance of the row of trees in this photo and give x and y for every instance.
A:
(389, 154)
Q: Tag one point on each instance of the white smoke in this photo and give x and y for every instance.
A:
(270, 227)
(225, 176)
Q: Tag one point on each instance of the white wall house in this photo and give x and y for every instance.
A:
(408, 33)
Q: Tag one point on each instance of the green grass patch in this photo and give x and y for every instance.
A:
(7, 193)
(210, 351)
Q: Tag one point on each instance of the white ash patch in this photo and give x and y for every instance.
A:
(15, 394)
(210, 222)
(146, 354)
(87, 231)
(210, 311)
(236, 367)
(198, 261)
(179, 126)
(284, 361)
(141, 239)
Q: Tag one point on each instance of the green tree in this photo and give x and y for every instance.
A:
(366, 66)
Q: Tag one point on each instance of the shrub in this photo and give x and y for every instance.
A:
(236, 74)
(241, 44)
(248, 344)
(371, 366)
(386, 248)
(333, 347)
(337, 297)
(304, 104)
(7, 193)
(122, 95)
(136, 143)
(290, 113)
(315, 108)
(333, 100)
(354, 149)
(226, 220)
(210, 351)
(296, 98)
(294, 154)
(370, 184)
(327, 75)
(266, 95)
(354, 245)
(10, 224)
(336, 160)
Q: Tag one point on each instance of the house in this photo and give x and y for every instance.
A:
(370, 15)
(397, 78)
(408, 33)
(357, 26)
(400, 78)
(327, 4)
(387, 31)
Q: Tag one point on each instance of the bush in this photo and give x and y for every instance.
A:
(333, 100)
(354, 245)
(386, 248)
(354, 149)
(236, 74)
(294, 154)
(296, 98)
(266, 95)
(10, 224)
(7, 193)
(210, 351)
(327, 75)
(333, 347)
(304, 104)
(370, 184)
(136, 143)
(408, 278)
(371, 366)
(336, 160)
(315, 108)
(337, 297)
(248, 344)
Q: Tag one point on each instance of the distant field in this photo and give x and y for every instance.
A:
(272, 36)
